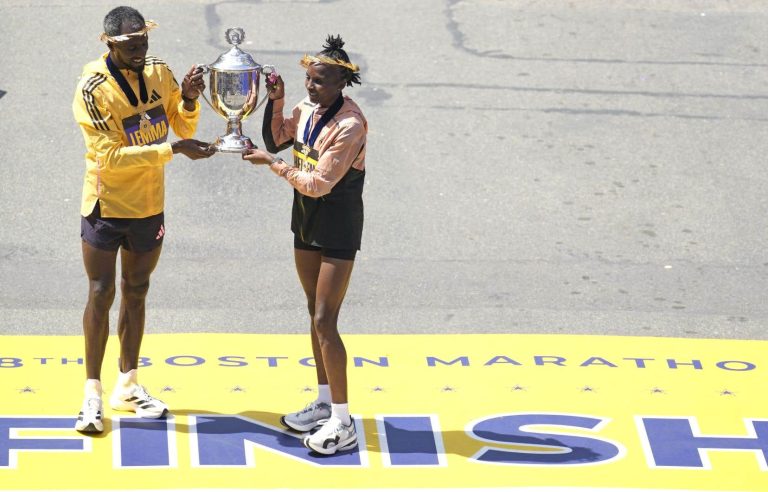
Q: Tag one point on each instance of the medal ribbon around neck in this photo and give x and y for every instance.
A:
(125, 86)
(309, 139)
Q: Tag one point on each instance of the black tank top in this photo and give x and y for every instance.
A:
(334, 220)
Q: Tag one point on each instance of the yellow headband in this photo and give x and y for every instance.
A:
(310, 59)
(148, 26)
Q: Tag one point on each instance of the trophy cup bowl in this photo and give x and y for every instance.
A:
(234, 89)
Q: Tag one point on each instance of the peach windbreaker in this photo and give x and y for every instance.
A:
(340, 145)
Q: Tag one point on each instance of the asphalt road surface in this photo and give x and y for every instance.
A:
(533, 167)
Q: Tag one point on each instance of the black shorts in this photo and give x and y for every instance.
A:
(137, 235)
(340, 254)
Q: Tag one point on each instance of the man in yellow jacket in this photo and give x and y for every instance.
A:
(125, 104)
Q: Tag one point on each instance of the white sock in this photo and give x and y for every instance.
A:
(341, 412)
(127, 379)
(93, 388)
(323, 393)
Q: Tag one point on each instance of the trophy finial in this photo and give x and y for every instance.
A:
(235, 35)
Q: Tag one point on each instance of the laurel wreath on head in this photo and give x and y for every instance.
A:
(308, 60)
(148, 26)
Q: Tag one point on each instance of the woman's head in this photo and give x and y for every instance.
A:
(329, 72)
(334, 49)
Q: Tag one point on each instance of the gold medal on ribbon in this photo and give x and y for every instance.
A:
(144, 122)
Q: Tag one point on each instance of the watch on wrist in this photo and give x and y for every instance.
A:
(188, 99)
(276, 159)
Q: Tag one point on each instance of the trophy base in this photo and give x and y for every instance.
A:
(233, 143)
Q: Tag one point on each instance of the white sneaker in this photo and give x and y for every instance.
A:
(307, 419)
(89, 419)
(136, 399)
(332, 436)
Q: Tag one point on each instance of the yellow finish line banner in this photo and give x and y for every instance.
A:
(437, 412)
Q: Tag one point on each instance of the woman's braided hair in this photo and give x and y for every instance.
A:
(334, 48)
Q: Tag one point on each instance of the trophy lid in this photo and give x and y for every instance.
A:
(235, 59)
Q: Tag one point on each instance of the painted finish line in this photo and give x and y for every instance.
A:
(448, 412)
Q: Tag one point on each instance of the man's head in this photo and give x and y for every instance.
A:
(129, 26)
(120, 18)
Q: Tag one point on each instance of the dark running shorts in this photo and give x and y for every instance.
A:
(137, 235)
(340, 254)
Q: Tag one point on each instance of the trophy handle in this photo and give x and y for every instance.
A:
(270, 72)
(205, 68)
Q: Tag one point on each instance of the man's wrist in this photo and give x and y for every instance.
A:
(276, 159)
(188, 99)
